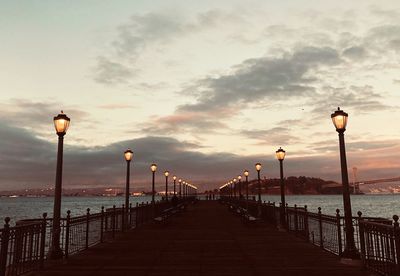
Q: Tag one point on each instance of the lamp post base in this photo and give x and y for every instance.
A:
(350, 253)
(55, 253)
(259, 212)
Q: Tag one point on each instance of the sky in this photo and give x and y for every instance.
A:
(205, 89)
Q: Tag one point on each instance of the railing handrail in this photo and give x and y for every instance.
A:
(377, 224)
(378, 239)
(23, 247)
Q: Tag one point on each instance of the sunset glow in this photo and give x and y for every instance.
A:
(204, 89)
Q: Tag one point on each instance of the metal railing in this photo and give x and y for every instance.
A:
(24, 247)
(377, 239)
(380, 246)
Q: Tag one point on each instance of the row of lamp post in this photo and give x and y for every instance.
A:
(339, 119)
(185, 188)
(61, 124)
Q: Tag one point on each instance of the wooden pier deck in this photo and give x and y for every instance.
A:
(205, 240)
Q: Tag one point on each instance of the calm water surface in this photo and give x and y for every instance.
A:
(30, 207)
(370, 205)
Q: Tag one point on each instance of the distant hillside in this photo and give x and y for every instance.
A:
(301, 185)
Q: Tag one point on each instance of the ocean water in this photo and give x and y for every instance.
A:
(372, 205)
(24, 208)
(33, 207)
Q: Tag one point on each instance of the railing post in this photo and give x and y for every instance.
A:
(102, 225)
(123, 218)
(113, 222)
(273, 214)
(287, 217)
(67, 232)
(362, 238)
(339, 231)
(321, 237)
(142, 213)
(87, 227)
(396, 235)
(4, 246)
(42, 241)
(136, 214)
(296, 221)
(130, 216)
(306, 223)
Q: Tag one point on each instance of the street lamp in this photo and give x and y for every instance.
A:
(166, 173)
(339, 119)
(174, 178)
(246, 174)
(240, 186)
(128, 154)
(234, 187)
(153, 169)
(180, 187)
(258, 168)
(61, 124)
(280, 155)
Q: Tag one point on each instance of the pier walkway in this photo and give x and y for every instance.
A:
(205, 240)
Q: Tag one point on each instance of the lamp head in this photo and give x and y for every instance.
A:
(153, 167)
(258, 167)
(61, 123)
(339, 119)
(246, 173)
(280, 154)
(128, 154)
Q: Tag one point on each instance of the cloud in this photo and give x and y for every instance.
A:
(35, 115)
(384, 37)
(116, 106)
(355, 53)
(351, 147)
(186, 121)
(359, 99)
(152, 31)
(251, 82)
(274, 136)
(111, 72)
(255, 79)
(28, 161)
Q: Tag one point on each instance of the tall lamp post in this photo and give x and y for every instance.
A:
(128, 154)
(280, 155)
(234, 187)
(246, 174)
(339, 119)
(258, 168)
(61, 124)
(166, 173)
(180, 187)
(153, 169)
(239, 177)
(174, 178)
